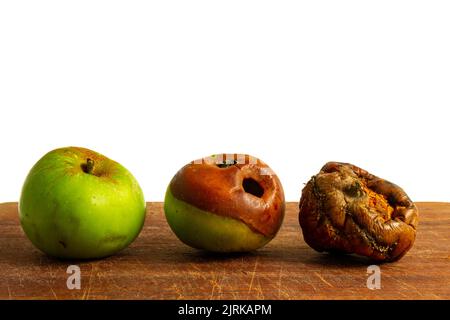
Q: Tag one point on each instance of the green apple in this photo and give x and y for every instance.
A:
(234, 204)
(77, 203)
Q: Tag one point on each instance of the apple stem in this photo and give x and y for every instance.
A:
(89, 165)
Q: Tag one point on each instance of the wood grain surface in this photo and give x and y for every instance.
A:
(158, 266)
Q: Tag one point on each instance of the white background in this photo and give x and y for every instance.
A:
(154, 85)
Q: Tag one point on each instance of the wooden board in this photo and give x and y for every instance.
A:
(158, 266)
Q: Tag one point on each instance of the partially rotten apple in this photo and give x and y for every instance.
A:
(225, 203)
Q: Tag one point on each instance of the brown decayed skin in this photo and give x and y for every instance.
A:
(219, 190)
(346, 209)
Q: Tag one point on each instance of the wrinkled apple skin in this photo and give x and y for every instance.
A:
(204, 230)
(68, 213)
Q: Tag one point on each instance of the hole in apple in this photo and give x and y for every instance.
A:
(253, 187)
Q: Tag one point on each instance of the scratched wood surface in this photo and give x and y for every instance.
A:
(158, 266)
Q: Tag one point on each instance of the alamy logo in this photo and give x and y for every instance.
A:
(374, 279)
(74, 280)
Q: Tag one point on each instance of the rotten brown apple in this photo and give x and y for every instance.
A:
(346, 209)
